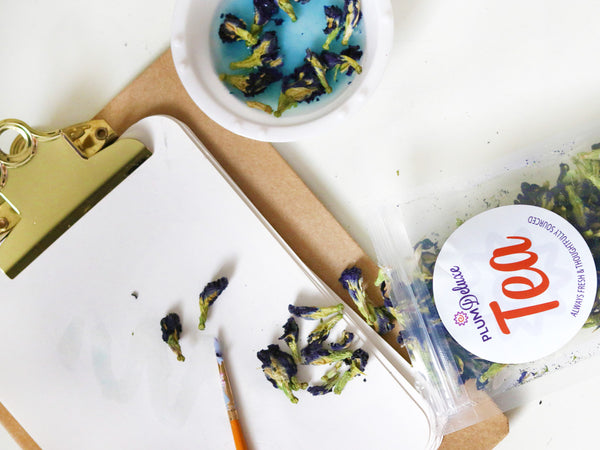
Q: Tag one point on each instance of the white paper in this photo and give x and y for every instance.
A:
(84, 364)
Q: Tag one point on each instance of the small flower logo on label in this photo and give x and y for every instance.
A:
(460, 318)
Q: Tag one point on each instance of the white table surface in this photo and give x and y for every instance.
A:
(467, 82)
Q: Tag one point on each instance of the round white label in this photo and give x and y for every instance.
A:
(514, 284)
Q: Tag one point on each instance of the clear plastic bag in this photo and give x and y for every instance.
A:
(554, 175)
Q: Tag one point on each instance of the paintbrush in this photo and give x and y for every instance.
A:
(236, 428)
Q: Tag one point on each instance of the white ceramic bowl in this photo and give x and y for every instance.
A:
(193, 50)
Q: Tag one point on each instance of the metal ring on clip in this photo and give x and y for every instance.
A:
(21, 150)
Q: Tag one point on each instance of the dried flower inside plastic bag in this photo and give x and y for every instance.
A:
(485, 377)
(352, 281)
(385, 320)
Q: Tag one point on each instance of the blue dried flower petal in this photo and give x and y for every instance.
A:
(427, 244)
(320, 390)
(280, 369)
(352, 282)
(319, 68)
(290, 330)
(400, 339)
(303, 77)
(315, 353)
(234, 29)
(264, 53)
(351, 278)
(290, 337)
(321, 331)
(387, 302)
(302, 85)
(208, 296)
(358, 363)
(315, 312)
(353, 14)
(350, 57)
(334, 17)
(170, 324)
(346, 62)
(276, 356)
(253, 83)
(352, 51)
(303, 311)
(344, 342)
(329, 380)
(264, 10)
(385, 320)
(171, 330)
(360, 357)
(213, 289)
(331, 59)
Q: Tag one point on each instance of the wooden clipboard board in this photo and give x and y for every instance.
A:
(280, 196)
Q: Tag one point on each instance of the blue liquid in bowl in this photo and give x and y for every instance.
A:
(293, 38)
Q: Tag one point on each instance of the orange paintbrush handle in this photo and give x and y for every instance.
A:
(238, 435)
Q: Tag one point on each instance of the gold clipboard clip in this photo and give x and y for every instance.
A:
(48, 180)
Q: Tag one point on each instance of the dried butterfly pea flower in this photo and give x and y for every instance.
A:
(264, 10)
(315, 312)
(344, 342)
(264, 53)
(352, 15)
(290, 336)
(280, 369)
(302, 86)
(358, 362)
(171, 330)
(316, 354)
(334, 17)
(319, 68)
(208, 296)
(234, 29)
(321, 331)
(352, 281)
(253, 83)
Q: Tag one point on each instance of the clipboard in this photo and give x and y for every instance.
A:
(174, 223)
(275, 190)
